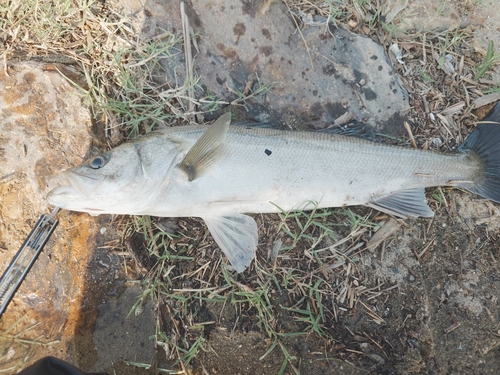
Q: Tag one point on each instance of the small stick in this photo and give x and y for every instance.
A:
(452, 327)
(189, 59)
(301, 35)
(424, 52)
(410, 134)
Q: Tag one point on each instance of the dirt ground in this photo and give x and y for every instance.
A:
(440, 317)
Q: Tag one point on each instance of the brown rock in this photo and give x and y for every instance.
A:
(45, 128)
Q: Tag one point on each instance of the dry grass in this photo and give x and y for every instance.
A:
(17, 344)
(308, 268)
(117, 69)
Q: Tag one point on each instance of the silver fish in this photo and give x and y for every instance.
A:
(221, 171)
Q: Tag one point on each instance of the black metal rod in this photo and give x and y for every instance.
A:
(22, 262)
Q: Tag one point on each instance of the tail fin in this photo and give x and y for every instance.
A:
(485, 142)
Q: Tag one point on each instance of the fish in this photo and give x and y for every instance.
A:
(223, 172)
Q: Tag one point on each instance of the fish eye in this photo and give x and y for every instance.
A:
(99, 161)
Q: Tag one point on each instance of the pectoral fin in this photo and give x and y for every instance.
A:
(237, 236)
(404, 203)
(207, 148)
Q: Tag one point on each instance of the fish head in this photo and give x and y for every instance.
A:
(119, 181)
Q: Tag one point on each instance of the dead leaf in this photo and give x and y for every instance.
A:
(387, 230)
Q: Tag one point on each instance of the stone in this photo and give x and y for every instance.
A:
(45, 128)
(315, 78)
(450, 18)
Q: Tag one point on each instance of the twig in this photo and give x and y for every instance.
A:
(189, 59)
(301, 35)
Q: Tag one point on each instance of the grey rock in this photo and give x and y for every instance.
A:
(341, 72)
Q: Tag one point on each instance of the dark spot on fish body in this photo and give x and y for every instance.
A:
(266, 33)
(374, 57)
(268, 152)
(380, 67)
(315, 92)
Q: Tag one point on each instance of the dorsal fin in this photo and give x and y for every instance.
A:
(353, 129)
(207, 148)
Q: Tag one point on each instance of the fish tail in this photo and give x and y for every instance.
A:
(484, 141)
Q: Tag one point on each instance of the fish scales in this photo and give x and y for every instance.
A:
(332, 170)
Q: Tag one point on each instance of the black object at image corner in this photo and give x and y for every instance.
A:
(54, 366)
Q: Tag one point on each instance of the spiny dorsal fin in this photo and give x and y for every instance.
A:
(206, 149)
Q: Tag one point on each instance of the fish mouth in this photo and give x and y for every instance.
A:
(70, 177)
(66, 188)
(80, 183)
(68, 198)
(61, 196)
(70, 194)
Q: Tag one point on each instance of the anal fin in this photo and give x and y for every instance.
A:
(404, 203)
(237, 236)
